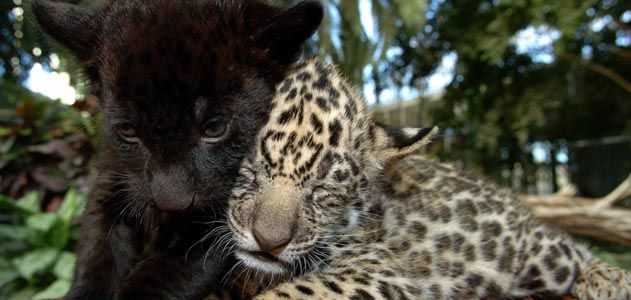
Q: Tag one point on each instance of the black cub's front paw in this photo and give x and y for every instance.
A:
(191, 276)
(82, 294)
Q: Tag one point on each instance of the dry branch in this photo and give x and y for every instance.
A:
(602, 70)
(621, 192)
(584, 216)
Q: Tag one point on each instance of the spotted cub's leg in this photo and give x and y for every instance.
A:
(336, 286)
(552, 261)
(365, 276)
(598, 280)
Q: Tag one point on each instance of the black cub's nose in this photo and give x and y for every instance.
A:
(169, 202)
(273, 246)
(171, 189)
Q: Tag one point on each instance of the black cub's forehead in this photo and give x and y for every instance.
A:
(160, 57)
(173, 47)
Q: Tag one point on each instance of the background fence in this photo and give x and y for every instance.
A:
(594, 166)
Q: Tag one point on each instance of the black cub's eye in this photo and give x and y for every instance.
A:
(215, 129)
(126, 132)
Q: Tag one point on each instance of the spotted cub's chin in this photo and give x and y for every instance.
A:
(283, 265)
(264, 262)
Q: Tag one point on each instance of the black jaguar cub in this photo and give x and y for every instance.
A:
(184, 86)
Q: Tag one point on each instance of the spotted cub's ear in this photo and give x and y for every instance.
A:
(393, 143)
(283, 35)
(73, 26)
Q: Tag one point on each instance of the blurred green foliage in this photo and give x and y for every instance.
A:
(36, 247)
(616, 255)
(502, 98)
(45, 151)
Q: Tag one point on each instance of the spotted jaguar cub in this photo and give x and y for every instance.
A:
(331, 205)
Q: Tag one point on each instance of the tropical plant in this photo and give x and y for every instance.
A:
(36, 247)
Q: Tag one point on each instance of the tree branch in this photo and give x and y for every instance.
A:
(583, 216)
(619, 25)
(624, 53)
(602, 70)
(621, 192)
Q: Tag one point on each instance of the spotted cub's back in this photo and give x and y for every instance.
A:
(472, 238)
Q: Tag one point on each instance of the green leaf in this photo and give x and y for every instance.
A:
(7, 276)
(25, 132)
(609, 258)
(9, 205)
(59, 234)
(412, 13)
(42, 222)
(64, 268)
(89, 126)
(6, 146)
(72, 203)
(4, 131)
(30, 202)
(5, 263)
(15, 233)
(21, 294)
(54, 291)
(35, 262)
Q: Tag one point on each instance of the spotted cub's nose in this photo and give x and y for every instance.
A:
(274, 220)
(271, 245)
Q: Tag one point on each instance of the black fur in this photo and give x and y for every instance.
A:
(164, 69)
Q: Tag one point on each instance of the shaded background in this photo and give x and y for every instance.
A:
(536, 94)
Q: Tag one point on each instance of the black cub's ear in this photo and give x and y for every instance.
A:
(73, 26)
(284, 34)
